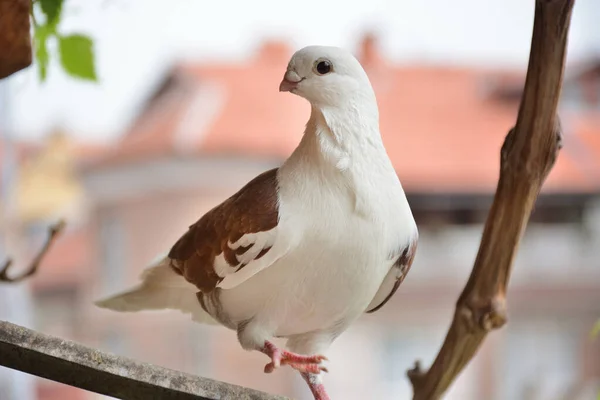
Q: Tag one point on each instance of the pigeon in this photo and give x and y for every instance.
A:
(303, 250)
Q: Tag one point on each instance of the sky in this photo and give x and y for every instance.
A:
(137, 40)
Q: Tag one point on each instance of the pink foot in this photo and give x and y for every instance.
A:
(299, 362)
(317, 389)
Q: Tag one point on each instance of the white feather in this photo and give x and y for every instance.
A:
(280, 245)
(160, 289)
(222, 267)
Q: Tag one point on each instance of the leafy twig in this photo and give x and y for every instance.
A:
(76, 51)
(53, 232)
(595, 330)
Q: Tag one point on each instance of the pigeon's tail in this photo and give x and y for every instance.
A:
(161, 289)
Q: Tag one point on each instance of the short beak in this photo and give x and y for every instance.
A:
(287, 86)
(290, 81)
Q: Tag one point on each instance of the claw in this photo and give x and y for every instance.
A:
(306, 364)
(308, 368)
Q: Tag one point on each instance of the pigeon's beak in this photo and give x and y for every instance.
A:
(290, 81)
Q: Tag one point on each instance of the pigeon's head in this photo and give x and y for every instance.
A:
(326, 76)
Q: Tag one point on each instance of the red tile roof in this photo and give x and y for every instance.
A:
(441, 126)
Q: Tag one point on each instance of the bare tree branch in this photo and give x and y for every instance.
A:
(527, 156)
(53, 232)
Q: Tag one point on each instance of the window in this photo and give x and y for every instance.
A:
(402, 346)
(437, 211)
(36, 231)
(201, 354)
(541, 357)
(400, 351)
(56, 311)
(582, 94)
(112, 247)
(115, 341)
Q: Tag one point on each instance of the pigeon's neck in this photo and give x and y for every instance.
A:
(345, 149)
(345, 138)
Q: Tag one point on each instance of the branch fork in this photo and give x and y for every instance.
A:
(53, 232)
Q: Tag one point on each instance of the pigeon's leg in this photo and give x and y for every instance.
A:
(251, 336)
(316, 342)
(304, 364)
(315, 385)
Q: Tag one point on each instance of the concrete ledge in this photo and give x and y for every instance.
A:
(86, 368)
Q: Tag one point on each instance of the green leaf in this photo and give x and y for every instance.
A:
(52, 9)
(42, 56)
(595, 332)
(77, 56)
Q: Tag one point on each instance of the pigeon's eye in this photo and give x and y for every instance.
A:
(323, 67)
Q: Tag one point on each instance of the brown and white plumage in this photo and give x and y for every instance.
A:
(232, 238)
(303, 250)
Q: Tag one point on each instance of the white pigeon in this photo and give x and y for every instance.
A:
(303, 250)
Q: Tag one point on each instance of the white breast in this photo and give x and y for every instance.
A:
(340, 256)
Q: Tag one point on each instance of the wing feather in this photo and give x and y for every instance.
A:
(395, 277)
(234, 240)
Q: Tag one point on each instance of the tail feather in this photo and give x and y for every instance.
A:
(161, 289)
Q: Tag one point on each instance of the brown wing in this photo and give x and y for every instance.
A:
(394, 278)
(208, 251)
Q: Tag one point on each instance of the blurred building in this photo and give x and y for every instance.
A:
(208, 128)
